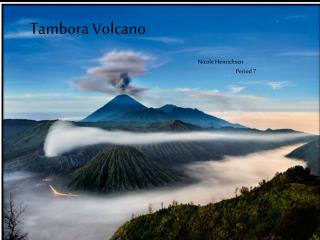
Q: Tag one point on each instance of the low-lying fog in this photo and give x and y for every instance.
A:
(98, 216)
(65, 136)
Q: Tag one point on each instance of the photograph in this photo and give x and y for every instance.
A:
(160, 121)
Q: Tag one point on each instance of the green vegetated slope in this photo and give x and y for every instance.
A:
(14, 126)
(173, 126)
(172, 153)
(163, 126)
(287, 207)
(27, 141)
(309, 152)
(120, 168)
(36, 161)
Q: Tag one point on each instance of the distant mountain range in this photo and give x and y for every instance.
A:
(123, 108)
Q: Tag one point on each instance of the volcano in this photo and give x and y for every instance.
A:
(120, 168)
(115, 109)
(124, 108)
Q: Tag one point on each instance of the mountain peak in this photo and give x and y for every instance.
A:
(123, 98)
(168, 108)
(118, 106)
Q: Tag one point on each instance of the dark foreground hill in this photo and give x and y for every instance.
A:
(309, 152)
(121, 168)
(287, 207)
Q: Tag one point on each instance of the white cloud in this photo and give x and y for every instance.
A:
(214, 99)
(23, 21)
(164, 39)
(296, 17)
(20, 34)
(205, 51)
(275, 85)
(63, 137)
(236, 89)
(28, 34)
(305, 53)
(186, 89)
(278, 85)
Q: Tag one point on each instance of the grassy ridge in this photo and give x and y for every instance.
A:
(287, 207)
(29, 140)
(37, 162)
(13, 127)
(309, 152)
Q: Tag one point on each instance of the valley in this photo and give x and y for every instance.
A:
(64, 216)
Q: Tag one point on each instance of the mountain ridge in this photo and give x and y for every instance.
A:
(124, 108)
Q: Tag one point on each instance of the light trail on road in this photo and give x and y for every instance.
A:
(56, 193)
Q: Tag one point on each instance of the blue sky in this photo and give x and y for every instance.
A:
(280, 42)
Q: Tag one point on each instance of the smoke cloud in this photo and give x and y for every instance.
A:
(115, 72)
(64, 136)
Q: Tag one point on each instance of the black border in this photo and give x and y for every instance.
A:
(165, 3)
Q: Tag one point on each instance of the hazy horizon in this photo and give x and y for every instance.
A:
(307, 122)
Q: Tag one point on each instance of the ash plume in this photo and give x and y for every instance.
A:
(124, 81)
(115, 72)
